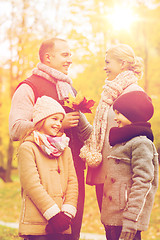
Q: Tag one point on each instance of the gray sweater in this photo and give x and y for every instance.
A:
(130, 185)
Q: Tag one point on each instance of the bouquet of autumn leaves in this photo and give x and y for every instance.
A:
(79, 103)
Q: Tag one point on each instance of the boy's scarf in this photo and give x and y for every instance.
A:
(52, 146)
(126, 133)
(62, 81)
(91, 151)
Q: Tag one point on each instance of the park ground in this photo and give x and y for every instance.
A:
(10, 201)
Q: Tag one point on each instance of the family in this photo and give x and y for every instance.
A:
(57, 144)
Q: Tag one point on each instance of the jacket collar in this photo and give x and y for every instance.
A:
(124, 134)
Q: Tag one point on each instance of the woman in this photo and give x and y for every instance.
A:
(123, 70)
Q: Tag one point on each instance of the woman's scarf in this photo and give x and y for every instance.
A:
(91, 151)
(62, 81)
(126, 133)
(52, 146)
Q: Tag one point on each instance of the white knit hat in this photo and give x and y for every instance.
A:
(45, 107)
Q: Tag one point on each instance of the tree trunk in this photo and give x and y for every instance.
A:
(1, 155)
(9, 162)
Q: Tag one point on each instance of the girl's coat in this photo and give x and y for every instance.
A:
(48, 186)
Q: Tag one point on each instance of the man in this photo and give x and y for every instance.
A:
(50, 78)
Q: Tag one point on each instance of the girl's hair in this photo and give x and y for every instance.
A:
(123, 52)
(37, 127)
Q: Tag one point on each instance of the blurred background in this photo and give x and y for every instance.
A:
(90, 26)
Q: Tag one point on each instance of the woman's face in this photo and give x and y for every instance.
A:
(112, 67)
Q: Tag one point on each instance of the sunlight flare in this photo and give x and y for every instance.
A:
(122, 17)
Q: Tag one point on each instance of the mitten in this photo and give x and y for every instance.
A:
(127, 235)
(58, 223)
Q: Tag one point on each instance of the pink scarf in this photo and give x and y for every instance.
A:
(62, 81)
(52, 146)
(91, 151)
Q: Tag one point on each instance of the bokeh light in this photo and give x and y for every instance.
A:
(122, 17)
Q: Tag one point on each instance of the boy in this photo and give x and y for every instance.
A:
(132, 169)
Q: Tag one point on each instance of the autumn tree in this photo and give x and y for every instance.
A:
(87, 27)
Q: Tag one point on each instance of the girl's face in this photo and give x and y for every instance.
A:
(112, 67)
(121, 119)
(52, 124)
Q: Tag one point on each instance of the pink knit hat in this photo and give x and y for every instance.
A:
(45, 107)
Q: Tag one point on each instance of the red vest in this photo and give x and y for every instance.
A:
(41, 87)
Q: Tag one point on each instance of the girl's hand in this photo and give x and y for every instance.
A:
(58, 223)
(71, 120)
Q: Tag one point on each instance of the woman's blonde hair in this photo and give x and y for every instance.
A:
(124, 52)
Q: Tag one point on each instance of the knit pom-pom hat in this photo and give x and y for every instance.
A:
(45, 107)
(136, 106)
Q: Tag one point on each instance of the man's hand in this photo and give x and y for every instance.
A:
(71, 120)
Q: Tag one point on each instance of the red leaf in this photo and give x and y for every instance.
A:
(84, 106)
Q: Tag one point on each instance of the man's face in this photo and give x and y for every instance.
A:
(60, 57)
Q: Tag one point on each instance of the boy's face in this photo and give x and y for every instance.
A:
(121, 119)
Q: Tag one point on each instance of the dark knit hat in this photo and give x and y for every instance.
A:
(136, 106)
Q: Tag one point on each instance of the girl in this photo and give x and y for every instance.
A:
(47, 176)
(123, 70)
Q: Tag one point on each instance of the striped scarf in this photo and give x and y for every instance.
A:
(91, 151)
(52, 146)
(62, 81)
